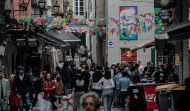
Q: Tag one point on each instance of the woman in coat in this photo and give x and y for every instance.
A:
(49, 89)
(13, 100)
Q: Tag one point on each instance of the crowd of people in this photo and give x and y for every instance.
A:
(84, 87)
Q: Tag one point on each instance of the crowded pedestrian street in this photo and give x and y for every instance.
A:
(94, 55)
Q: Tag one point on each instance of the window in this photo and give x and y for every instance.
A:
(79, 8)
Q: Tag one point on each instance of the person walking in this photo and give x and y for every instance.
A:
(86, 75)
(94, 81)
(107, 86)
(78, 85)
(22, 87)
(118, 76)
(67, 76)
(13, 100)
(38, 86)
(123, 86)
(49, 89)
(136, 97)
(73, 51)
(4, 92)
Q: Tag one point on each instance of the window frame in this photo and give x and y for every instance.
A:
(78, 7)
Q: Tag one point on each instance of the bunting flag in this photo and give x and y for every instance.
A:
(144, 22)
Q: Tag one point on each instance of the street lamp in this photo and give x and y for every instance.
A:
(2, 4)
(42, 3)
(56, 8)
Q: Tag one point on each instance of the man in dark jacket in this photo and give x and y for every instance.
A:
(22, 87)
(67, 77)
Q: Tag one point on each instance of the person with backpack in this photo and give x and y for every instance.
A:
(78, 85)
(136, 97)
(172, 77)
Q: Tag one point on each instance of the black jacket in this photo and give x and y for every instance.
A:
(67, 75)
(22, 87)
(86, 75)
(38, 85)
(97, 76)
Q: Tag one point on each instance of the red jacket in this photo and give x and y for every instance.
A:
(13, 100)
(49, 88)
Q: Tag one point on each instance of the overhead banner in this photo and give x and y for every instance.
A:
(127, 14)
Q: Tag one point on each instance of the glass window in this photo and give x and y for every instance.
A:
(79, 7)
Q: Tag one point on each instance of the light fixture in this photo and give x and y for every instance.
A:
(2, 4)
(56, 7)
(20, 42)
(24, 4)
(32, 43)
(42, 3)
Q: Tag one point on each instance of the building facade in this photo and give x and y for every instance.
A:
(120, 46)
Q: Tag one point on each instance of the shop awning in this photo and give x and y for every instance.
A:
(180, 31)
(146, 44)
(63, 36)
(53, 39)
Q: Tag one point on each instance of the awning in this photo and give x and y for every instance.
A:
(146, 44)
(53, 40)
(180, 31)
(63, 36)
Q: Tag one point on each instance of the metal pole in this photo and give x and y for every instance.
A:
(107, 35)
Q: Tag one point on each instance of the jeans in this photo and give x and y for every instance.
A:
(13, 108)
(117, 97)
(123, 98)
(3, 104)
(99, 92)
(77, 96)
(107, 98)
(67, 86)
(24, 101)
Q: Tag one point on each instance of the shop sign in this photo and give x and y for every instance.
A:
(127, 55)
(177, 59)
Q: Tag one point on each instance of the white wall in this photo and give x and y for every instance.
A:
(114, 54)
